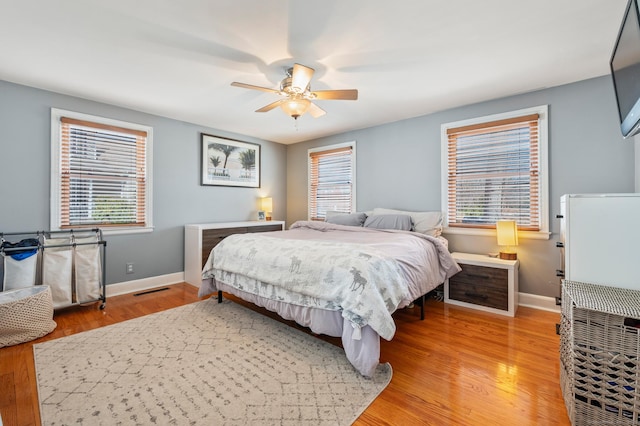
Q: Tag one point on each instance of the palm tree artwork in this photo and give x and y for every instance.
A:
(225, 149)
(248, 161)
(215, 162)
(228, 162)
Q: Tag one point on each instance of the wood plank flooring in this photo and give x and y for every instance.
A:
(457, 367)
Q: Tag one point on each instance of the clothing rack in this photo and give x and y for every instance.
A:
(76, 258)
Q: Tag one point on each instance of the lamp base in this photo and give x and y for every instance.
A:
(508, 256)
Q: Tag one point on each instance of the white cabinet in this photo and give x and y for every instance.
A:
(199, 239)
(600, 234)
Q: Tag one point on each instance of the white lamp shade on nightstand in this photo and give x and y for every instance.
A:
(267, 206)
(507, 233)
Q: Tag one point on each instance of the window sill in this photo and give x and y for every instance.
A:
(125, 231)
(532, 235)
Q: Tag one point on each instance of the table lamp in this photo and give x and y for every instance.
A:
(507, 232)
(267, 206)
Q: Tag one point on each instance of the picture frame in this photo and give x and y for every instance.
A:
(262, 215)
(229, 162)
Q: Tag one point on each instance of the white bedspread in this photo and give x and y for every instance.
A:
(364, 273)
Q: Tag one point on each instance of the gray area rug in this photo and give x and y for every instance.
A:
(200, 364)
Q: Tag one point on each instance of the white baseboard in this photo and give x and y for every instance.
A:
(524, 299)
(144, 284)
(538, 302)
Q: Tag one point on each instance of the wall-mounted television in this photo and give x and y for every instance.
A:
(625, 70)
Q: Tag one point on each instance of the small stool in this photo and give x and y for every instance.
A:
(25, 314)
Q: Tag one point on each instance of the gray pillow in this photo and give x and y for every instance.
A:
(428, 223)
(349, 219)
(389, 221)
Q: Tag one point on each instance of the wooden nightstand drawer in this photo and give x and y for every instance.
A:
(481, 286)
(484, 283)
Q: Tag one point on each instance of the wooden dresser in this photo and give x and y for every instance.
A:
(485, 283)
(200, 239)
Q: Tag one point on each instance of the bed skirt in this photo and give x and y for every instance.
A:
(361, 345)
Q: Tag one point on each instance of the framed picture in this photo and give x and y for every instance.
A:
(261, 215)
(229, 162)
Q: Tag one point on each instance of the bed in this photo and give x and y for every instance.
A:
(339, 280)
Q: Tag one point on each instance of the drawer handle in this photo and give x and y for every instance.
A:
(476, 295)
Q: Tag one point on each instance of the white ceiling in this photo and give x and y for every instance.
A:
(407, 58)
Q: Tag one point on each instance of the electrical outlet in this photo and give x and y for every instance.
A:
(129, 268)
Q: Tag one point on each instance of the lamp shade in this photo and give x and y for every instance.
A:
(507, 231)
(267, 204)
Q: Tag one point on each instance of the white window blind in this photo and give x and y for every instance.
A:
(494, 173)
(103, 176)
(331, 181)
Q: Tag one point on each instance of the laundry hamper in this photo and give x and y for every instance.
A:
(25, 314)
(600, 354)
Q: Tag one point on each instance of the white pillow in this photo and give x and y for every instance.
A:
(428, 223)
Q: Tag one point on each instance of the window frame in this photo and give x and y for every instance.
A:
(56, 167)
(352, 145)
(543, 176)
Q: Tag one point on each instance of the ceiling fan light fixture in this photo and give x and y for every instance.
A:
(295, 107)
(295, 90)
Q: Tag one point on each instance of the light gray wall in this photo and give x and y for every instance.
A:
(398, 166)
(178, 197)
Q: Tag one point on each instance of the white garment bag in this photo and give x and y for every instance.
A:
(57, 264)
(88, 269)
(19, 273)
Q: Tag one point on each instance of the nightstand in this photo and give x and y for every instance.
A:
(485, 283)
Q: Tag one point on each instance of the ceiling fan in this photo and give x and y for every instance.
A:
(297, 94)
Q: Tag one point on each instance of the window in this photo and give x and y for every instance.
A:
(332, 171)
(495, 169)
(100, 173)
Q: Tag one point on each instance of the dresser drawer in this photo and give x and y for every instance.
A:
(481, 286)
(265, 228)
(200, 239)
(485, 283)
(212, 237)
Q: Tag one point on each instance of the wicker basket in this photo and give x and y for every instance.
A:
(25, 314)
(599, 349)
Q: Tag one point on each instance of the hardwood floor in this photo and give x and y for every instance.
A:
(457, 367)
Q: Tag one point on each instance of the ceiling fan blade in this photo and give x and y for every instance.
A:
(271, 106)
(316, 111)
(346, 95)
(301, 76)
(251, 86)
